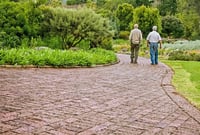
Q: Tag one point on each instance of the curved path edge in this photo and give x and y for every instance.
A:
(179, 100)
(122, 99)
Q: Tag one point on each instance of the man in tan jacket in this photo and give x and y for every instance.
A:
(135, 39)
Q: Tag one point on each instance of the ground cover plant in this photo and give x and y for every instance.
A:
(187, 79)
(123, 46)
(183, 45)
(182, 50)
(56, 58)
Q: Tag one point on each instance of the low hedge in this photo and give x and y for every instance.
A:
(56, 58)
(184, 55)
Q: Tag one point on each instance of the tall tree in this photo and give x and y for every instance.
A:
(143, 2)
(189, 15)
(147, 17)
(195, 4)
(168, 7)
(124, 13)
(172, 26)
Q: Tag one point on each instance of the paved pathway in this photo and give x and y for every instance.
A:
(122, 99)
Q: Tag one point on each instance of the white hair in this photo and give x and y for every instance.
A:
(154, 28)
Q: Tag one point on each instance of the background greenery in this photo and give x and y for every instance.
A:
(182, 50)
(93, 23)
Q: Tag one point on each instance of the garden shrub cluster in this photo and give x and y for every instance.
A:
(124, 35)
(56, 58)
(182, 50)
(34, 24)
(184, 55)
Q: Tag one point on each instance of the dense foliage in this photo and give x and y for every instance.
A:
(19, 21)
(59, 24)
(74, 26)
(168, 7)
(29, 21)
(172, 27)
(124, 13)
(146, 18)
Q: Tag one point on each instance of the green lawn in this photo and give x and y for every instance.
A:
(187, 79)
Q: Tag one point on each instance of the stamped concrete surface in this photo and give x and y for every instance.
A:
(122, 99)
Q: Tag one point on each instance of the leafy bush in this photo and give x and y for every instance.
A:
(124, 13)
(56, 58)
(122, 48)
(124, 34)
(184, 55)
(76, 25)
(33, 23)
(172, 26)
(19, 20)
(12, 22)
(146, 18)
(73, 2)
(120, 42)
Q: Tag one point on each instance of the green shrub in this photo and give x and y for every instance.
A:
(107, 44)
(76, 25)
(146, 17)
(124, 13)
(172, 26)
(182, 50)
(124, 35)
(120, 42)
(56, 58)
(183, 55)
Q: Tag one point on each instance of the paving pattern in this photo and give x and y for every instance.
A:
(121, 99)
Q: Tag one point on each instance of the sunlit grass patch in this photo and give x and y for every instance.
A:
(187, 79)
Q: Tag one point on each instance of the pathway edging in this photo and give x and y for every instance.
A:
(181, 101)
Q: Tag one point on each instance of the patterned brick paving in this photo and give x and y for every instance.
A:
(122, 99)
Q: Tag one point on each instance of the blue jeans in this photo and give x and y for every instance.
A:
(154, 53)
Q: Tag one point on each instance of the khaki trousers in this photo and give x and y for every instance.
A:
(134, 52)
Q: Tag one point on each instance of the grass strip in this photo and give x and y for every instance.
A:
(187, 79)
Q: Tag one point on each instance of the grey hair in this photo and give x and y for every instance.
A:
(135, 25)
(154, 28)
